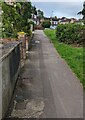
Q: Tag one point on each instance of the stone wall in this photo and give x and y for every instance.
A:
(10, 64)
(12, 58)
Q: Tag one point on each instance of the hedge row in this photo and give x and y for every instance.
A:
(46, 24)
(70, 33)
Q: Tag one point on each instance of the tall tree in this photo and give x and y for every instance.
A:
(83, 12)
(40, 15)
(34, 11)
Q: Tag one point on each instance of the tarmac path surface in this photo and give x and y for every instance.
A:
(47, 87)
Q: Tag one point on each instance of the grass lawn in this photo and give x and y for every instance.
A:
(73, 55)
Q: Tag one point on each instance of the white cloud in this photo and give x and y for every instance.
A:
(60, 9)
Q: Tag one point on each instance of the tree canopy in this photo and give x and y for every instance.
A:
(15, 18)
(83, 12)
(34, 11)
(40, 14)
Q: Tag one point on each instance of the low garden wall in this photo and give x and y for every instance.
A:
(10, 63)
(13, 55)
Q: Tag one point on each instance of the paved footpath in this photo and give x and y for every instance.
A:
(47, 87)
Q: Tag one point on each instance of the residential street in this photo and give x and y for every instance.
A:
(47, 87)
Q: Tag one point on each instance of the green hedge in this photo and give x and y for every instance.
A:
(70, 33)
(46, 24)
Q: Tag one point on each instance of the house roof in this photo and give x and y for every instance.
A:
(54, 19)
(67, 20)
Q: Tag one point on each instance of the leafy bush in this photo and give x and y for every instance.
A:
(15, 18)
(70, 33)
(46, 24)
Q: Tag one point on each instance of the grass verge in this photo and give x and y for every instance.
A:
(73, 55)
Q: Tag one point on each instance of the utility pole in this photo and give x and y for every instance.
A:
(51, 17)
(52, 14)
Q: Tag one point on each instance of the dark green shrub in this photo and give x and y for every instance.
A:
(46, 24)
(70, 33)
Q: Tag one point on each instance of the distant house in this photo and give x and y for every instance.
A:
(35, 19)
(65, 21)
(54, 21)
(80, 21)
(73, 20)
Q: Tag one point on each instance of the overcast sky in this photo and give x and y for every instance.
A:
(60, 9)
